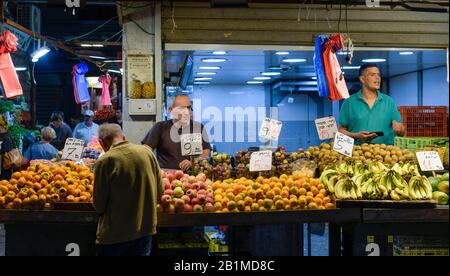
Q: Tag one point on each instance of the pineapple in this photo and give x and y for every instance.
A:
(136, 90)
(148, 90)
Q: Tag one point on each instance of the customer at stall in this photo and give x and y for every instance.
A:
(164, 137)
(127, 186)
(369, 111)
(86, 129)
(41, 149)
(62, 130)
(6, 145)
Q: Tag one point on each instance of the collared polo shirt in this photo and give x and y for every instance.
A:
(356, 116)
(84, 132)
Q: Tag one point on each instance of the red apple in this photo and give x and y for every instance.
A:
(191, 193)
(170, 177)
(202, 192)
(187, 186)
(186, 199)
(209, 199)
(179, 203)
(184, 179)
(170, 209)
(194, 201)
(195, 186)
(209, 207)
(166, 200)
(163, 174)
(202, 185)
(168, 192)
(179, 174)
(197, 208)
(167, 186)
(201, 199)
(187, 208)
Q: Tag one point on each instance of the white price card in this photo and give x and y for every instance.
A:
(191, 144)
(343, 144)
(326, 127)
(73, 149)
(261, 161)
(429, 161)
(270, 129)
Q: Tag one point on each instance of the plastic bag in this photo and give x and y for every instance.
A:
(322, 84)
(9, 78)
(335, 77)
(12, 159)
(304, 167)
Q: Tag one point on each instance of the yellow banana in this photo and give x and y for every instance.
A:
(394, 195)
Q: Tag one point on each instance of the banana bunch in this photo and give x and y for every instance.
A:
(377, 167)
(420, 188)
(329, 178)
(345, 169)
(373, 188)
(360, 168)
(346, 188)
(396, 186)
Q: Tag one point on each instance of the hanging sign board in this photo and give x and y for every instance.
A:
(429, 161)
(326, 127)
(73, 149)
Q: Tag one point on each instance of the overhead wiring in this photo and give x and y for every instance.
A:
(92, 31)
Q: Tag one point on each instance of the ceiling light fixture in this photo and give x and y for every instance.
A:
(39, 53)
(219, 53)
(406, 53)
(254, 82)
(343, 53)
(374, 60)
(18, 69)
(97, 57)
(262, 78)
(270, 73)
(294, 60)
(201, 82)
(213, 60)
(206, 73)
(114, 71)
(275, 68)
(113, 61)
(282, 53)
(209, 67)
(202, 79)
(314, 78)
(351, 67)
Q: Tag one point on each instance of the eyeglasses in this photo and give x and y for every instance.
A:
(183, 107)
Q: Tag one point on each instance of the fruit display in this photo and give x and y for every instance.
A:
(294, 192)
(242, 168)
(222, 166)
(104, 115)
(93, 149)
(40, 186)
(324, 154)
(439, 184)
(376, 181)
(202, 166)
(186, 193)
(148, 90)
(135, 89)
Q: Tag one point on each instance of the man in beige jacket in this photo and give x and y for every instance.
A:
(127, 186)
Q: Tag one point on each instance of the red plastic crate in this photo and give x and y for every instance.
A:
(427, 121)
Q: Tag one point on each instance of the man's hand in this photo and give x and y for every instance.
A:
(398, 128)
(185, 165)
(365, 136)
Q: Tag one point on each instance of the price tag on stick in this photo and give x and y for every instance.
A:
(73, 149)
(270, 129)
(429, 161)
(343, 144)
(191, 144)
(326, 127)
(261, 161)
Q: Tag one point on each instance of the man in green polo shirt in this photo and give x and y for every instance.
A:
(370, 111)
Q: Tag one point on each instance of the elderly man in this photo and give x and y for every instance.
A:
(127, 186)
(164, 137)
(86, 129)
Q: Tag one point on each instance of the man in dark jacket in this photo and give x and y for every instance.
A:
(62, 130)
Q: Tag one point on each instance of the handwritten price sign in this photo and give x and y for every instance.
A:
(429, 161)
(326, 127)
(191, 144)
(73, 149)
(261, 161)
(270, 129)
(343, 144)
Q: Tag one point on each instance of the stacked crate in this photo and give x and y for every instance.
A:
(430, 121)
